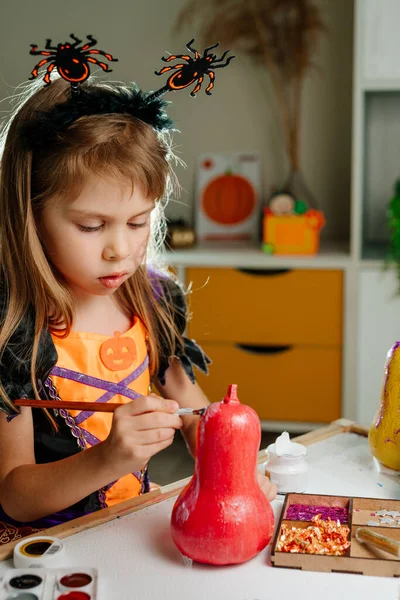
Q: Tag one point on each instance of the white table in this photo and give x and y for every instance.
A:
(136, 556)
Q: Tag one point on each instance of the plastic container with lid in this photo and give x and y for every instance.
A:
(286, 465)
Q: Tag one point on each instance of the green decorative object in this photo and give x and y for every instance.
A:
(268, 248)
(300, 207)
(393, 214)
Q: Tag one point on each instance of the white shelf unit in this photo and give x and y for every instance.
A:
(376, 125)
(227, 255)
(371, 314)
(375, 167)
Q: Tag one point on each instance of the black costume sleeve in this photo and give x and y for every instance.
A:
(15, 361)
(189, 352)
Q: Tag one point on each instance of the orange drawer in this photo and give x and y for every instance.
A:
(267, 306)
(281, 384)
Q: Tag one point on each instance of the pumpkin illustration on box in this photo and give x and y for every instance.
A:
(228, 197)
(290, 226)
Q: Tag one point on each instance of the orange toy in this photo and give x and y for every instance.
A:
(292, 234)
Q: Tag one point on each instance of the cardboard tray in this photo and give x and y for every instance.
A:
(360, 558)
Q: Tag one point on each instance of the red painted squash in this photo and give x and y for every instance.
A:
(229, 199)
(222, 516)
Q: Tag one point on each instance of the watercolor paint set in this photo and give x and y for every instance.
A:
(338, 534)
(49, 584)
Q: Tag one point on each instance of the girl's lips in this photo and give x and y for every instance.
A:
(113, 281)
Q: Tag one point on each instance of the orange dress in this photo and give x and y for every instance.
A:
(96, 368)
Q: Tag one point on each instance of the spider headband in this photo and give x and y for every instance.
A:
(73, 61)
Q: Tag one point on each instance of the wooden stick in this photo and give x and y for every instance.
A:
(318, 435)
(91, 406)
(388, 544)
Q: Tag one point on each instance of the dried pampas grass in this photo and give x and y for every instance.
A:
(282, 35)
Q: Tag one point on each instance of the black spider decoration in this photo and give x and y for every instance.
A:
(70, 60)
(193, 70)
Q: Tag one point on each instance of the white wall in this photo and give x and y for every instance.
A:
(238, 117)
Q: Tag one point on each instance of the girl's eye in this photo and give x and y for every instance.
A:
(84, 228)
(137, 225)
(90, 229)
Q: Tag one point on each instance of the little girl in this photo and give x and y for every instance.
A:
(83, 314)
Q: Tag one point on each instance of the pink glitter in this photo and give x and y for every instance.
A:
(305, 512)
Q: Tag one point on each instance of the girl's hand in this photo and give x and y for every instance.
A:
(140, 429)
(269, 489)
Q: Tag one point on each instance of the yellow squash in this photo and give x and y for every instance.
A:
(384, 434)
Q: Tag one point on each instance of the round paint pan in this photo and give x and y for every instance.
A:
(75, 595)
(75, 581)
(25, 582)
(39, 551)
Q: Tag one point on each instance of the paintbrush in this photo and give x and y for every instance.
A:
(382, 542)
(91, 406)
(191, 411)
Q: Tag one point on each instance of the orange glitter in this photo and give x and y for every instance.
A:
(323, 537)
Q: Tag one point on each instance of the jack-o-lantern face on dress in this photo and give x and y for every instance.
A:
(118, 353)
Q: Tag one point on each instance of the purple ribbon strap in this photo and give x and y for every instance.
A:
(112, 388)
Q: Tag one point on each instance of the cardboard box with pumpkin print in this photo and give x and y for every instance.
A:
(228, 197)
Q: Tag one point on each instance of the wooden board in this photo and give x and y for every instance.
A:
(168, 491)
(360, 558)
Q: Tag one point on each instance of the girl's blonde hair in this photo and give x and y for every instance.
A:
(119, 145)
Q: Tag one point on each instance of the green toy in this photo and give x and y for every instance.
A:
(393, 213)
(300, 207)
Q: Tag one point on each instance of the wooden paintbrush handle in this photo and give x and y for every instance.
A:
(58, 404)
(363, 534)
(91, 406)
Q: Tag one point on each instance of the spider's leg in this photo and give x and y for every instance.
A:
(108, 56)
(35, 51)
(217, 60)
(211, 84)
(189, 47)
(48, 45)
(228, 60)
(198, 86)
(76, 40)
(165, 69)
(210, 48)
(101, 64)
(175, 56)
(46, 78)
(34, 72)
(92, 42)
